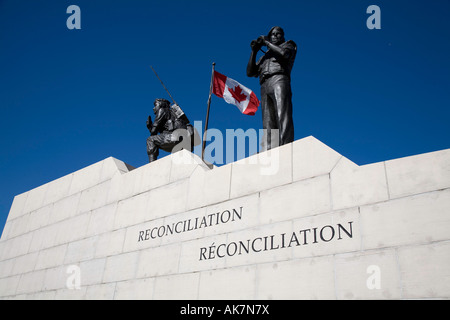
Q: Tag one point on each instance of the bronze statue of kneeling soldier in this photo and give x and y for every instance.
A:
(171, 130)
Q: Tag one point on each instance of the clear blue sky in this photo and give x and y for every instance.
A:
(70, 98)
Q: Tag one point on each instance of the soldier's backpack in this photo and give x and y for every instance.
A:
(179, 118)
(181, 121)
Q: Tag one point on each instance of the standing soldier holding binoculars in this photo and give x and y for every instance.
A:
(274, 72)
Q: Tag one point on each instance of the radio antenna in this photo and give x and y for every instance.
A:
(173, 100)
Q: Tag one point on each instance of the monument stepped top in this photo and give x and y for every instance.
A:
(196, 185)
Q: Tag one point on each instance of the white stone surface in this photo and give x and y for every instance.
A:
(121, 267)
(31, 282)
(415, 220)
(418, 174)
(153, 175)
(35, 199)
(265, 170)
(37, 219)
(228, 284)
(58, 189)
(55, 278)
(80, 250)
(354, 273)
(132, 210)
(183, 164)
(424, 271)
(176, 192)
(177, 287)
(135, 289)
(86, 178)
(159, 261)
(312, 158)
(17, 207)
(100, 292)
(352, 185)
(208, 186)
(299, 199)
(311, 278)
(91, 271)
(110, 243)
(64, 208)
(289, 242)
(51, 257)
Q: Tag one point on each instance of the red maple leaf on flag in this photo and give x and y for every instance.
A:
(238, 94)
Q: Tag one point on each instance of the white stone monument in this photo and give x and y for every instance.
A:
(297, 222)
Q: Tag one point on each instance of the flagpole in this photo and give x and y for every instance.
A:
(207, 112)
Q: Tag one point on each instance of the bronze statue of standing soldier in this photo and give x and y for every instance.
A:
(274, 72)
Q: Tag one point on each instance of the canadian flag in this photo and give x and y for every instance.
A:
(235, 93)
